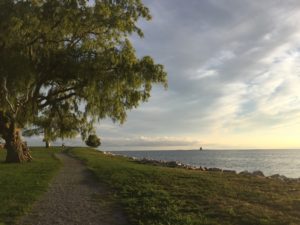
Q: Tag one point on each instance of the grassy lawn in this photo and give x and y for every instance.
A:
(159, 195)
(22, 184)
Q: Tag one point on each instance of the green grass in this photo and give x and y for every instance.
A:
(22, 184)
(160, 195)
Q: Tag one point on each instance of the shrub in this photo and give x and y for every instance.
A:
(93, 141)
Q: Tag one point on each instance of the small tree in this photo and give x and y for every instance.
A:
(93, 141)
(59, 123)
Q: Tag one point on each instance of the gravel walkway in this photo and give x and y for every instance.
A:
(74, 198)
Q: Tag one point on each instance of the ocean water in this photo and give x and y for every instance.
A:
(284, 162)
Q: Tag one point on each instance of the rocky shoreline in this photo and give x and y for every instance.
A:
(177, 164)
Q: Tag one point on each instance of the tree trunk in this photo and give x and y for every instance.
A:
(47, 144)
(17, 151)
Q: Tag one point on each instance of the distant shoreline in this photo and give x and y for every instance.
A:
(177, 164)
(167, 150)
(284, 162)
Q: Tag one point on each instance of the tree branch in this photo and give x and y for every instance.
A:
(53, 94)
(55, 25)
(6, 95)
(51, 101)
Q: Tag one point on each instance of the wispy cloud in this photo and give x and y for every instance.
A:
(234, 76)
(233, 68)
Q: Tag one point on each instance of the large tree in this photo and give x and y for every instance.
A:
(74, 54)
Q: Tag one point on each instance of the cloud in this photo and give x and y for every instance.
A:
(234, 73)
(151, 141)
(233, 66)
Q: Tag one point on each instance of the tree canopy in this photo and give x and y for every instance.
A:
(73, 55)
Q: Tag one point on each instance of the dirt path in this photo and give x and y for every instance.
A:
(74, 198)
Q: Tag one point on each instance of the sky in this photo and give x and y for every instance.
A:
(233, 78)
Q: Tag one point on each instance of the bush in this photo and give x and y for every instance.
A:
(93, 141)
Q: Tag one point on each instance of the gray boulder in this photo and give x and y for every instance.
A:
(258, 173)
(229, 171)
(214, 169)
(245, 172)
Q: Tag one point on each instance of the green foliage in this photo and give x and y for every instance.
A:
(73, 56)
(20, 186)
(58, 123)
(93, 141)
(160, 195)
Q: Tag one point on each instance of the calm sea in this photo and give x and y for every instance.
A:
(284, 162)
